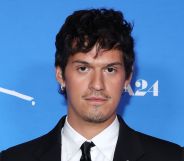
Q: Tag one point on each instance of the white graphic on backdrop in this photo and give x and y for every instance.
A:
(142, 88)
(19, 95)
(141, 85)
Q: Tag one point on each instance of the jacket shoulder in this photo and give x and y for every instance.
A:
(159, 148)
(150, 148)
(22, 151)
(30, 150)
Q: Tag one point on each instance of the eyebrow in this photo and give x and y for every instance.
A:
(80, 62)
(87, 63)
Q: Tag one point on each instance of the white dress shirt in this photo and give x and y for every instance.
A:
(105, 143)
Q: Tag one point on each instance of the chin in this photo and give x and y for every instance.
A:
(96, 118)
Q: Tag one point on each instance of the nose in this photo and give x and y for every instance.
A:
(97, 81)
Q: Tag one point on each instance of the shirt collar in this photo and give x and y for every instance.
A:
(101, 140)
(107, 139)
(71, 139)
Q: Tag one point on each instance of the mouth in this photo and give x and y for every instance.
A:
(96, 101)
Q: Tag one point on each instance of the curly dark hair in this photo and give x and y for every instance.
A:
(85, 28)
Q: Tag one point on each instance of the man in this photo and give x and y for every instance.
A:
(94, 62)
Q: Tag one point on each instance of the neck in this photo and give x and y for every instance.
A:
(89, 129)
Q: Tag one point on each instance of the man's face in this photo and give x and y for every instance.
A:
(94, 85)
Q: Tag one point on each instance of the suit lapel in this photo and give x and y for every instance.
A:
(128, 146)
(50, 147)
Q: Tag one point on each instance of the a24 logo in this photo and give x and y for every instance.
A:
(142, 88)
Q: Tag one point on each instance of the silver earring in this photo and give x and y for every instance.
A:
(125, 88)
(62, 88)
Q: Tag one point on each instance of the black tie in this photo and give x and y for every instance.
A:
(85, 148)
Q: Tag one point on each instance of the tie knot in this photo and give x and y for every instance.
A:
(85, 148)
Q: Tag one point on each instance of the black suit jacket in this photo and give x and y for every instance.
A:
(131, 146)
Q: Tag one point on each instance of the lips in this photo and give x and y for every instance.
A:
(96, 100)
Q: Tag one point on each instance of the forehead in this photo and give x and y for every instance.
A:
(101, 56)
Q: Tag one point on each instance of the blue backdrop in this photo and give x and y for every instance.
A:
(30, 105)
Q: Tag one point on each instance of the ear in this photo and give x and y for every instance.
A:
(59, 76)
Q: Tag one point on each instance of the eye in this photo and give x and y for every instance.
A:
(83, 69)
(111, 70)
